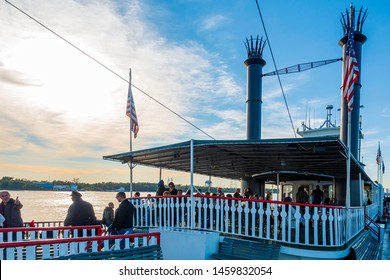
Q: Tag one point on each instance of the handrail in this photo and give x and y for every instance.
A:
(46, 249)
(367, 225)
(20, 233)
(285, 222)
(29, 229)
(4, 245)
(42, 223)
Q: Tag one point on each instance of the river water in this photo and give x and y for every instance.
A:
(53, 205)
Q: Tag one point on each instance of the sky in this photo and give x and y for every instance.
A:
(61, 111)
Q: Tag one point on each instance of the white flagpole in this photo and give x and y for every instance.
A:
(348, 190)
(192, 184)
(131, 147)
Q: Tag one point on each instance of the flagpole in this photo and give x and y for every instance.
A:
(131, 113)
(131, 163)
(131, 147)
(192, 184)
(348, 189)
(377, 163)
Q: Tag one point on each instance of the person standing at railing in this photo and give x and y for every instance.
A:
(124, 215)
(220, 192)
(108, 215)
(10, 209)
(160, 188)
(237, 194)
(248, 192)
(318, 195)
(172, 190)
(301, 196)
(80, 212)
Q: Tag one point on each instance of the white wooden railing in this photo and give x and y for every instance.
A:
(293, 223)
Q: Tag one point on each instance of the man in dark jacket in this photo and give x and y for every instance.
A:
(80, 212)
(10, 209)
(124, 215)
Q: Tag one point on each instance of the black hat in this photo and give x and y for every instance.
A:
(75, 194)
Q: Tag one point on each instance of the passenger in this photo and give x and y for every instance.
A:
(108, 215)
(318, 195)
(181, 201)
(326, 201)
(80, 212)
(160, 188)
(301, 196)
(124, 215)
(10, 210)
(292, 222)
(138, 204)
(237, 193)
(248, 192)
(220, 192)
(172, 189)
(325, 194)
(166, 193)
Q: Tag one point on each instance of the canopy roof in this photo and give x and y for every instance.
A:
(298, 159)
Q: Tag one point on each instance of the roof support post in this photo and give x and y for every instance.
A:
(192, 183)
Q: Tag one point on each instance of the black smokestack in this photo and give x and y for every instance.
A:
(352, 20)
(254, 64)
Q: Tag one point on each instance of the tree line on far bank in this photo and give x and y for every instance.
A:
(11, 183)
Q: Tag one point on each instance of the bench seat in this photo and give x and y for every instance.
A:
(240, 249)
(152, 252)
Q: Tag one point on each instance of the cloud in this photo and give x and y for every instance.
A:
(212, 22)
(77, 114)
(17, 77)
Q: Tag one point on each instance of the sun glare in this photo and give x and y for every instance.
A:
(68, 82)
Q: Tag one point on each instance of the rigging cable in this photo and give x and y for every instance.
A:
(273, 60)
(110, 70)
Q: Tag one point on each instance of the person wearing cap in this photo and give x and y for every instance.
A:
(80, 212)
(124, 215)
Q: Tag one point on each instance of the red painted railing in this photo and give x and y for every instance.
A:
(43, 224)
(51, 248)
(32, 233)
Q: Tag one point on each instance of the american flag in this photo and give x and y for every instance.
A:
(379, 155)
(130, 111)
(351, 69)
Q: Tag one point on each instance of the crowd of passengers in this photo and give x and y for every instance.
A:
(318, 196)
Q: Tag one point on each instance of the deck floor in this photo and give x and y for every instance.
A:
(385, 249)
